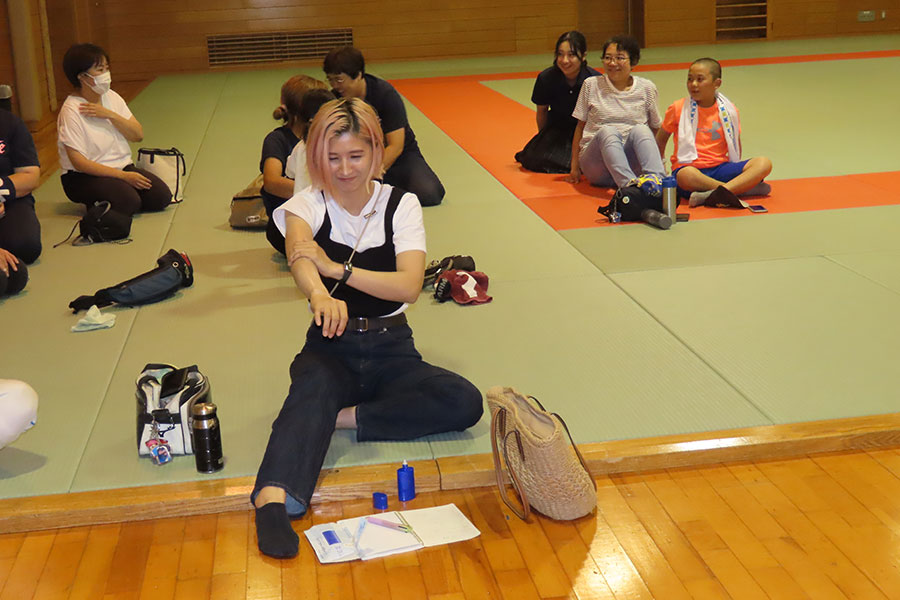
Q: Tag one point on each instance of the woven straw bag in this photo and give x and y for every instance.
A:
(541, 460)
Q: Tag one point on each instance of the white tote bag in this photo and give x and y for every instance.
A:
(168, 165)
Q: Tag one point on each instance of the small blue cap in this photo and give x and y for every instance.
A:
(379, 501)
(669, 181)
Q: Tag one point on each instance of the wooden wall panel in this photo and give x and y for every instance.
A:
(821, 18)
(599, 20)
(7, 70)
(60, 17)
(692, 22)
(145, 39)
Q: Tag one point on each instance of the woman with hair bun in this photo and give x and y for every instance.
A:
(356, 249)
(278, 185)
(555, 93)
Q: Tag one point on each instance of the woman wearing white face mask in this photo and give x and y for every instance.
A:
(94, 128)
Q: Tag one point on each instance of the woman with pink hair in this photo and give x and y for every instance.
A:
(356, 249)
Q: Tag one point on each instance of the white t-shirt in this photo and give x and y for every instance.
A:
(295, 168)
(409, 228)
(95, 138)
(600, 103)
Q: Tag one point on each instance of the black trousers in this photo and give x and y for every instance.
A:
(411, 173)
(20, 231)
(90, 189)
(399, 397)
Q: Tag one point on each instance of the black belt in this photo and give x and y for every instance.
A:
(363, 324)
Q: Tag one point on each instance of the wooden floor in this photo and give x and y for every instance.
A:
(818, 527)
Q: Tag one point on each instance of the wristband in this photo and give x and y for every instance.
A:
(348, 270)
(7, 189)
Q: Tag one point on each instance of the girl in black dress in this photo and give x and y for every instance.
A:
(555, 93)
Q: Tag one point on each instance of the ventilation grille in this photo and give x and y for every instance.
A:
(246, 48)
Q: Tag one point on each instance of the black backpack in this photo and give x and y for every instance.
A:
(101, 223)
(628, 203)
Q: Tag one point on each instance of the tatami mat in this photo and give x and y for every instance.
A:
(638, 247)
(881, 267)
(587, 351)
(627, 331)
(798, 337)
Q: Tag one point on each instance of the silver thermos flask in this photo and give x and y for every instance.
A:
(670, 199)
(206, 436)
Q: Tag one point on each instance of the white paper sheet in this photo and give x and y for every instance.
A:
(349, 539)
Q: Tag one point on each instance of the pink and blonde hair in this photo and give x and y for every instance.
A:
(335, 118)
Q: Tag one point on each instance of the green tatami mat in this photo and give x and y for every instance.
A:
(881, 267)
(802, 339)
(586, 351)
(71, 371)
(639, 247)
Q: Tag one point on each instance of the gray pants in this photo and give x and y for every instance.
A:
(610, 161)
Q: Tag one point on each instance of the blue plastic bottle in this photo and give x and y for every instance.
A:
(406, 483)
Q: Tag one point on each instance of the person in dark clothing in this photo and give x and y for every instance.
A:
(555, 93)
(278, 180)
(404, 165)
(20, 230)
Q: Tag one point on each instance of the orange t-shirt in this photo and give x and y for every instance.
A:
(712, 149)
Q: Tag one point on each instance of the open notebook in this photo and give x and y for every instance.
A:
(387, 533)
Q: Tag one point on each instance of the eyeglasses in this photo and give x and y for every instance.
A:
(621, 59)
(336, 79)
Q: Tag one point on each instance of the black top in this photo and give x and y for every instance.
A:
(551, 88)
(387, 102)
(381, 258)
(278, 144)
(16, 147)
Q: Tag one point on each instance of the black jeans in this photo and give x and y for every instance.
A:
(399, 397)
(20, 231)
(411, 173)
(90, 189)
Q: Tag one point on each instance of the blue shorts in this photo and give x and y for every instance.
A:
(724, 172)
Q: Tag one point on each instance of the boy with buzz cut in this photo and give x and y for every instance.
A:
(707, 132)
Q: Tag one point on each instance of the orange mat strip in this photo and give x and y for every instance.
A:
(491, 128)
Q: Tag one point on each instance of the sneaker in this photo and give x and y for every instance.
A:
(650, 184)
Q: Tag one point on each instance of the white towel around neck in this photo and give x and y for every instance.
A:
(687, 129)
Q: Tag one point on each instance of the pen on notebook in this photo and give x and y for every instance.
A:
(409, 527)
(359, 531)
(389, 524)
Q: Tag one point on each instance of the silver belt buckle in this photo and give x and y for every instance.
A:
(362, 324)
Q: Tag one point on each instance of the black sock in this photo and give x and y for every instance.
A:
(274, 533)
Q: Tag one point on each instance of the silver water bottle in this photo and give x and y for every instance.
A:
(206, 437)
(670, 199)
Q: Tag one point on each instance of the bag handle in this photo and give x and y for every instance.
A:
(498, 421)
(572, 441)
